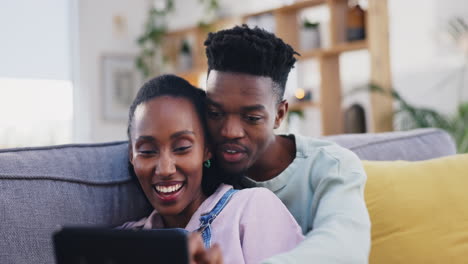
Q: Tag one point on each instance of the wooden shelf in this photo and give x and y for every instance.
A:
(300, 5)
(336, 50)
(289, 8)
(181, 32)
(217, 25)
(287, 27)
(191, 76)
(348, 46)
(299, 106)
(189, 72)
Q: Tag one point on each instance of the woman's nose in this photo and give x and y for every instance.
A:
(165, 166)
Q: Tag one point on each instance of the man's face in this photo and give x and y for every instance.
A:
(242, 113)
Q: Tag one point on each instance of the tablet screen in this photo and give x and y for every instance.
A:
(90, 245)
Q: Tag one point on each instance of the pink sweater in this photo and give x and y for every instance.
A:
(253, 226)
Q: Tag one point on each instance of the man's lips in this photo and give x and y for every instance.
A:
(232, 153)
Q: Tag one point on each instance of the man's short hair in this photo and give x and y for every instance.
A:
(252, 51)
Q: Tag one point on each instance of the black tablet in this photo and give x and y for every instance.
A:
(86, 245)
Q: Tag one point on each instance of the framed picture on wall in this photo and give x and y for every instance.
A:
(120, 83)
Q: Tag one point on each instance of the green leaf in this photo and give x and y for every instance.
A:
(169, 5)
(141, 40)
(214, 4)
(308, 24)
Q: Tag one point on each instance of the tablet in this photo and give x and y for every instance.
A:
(92, 245)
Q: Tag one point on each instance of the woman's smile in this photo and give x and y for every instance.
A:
(169, 191)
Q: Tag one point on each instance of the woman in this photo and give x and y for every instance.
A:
(170, 156)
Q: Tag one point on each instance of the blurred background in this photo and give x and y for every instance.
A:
(69, 69)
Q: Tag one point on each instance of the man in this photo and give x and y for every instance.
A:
(320, 183)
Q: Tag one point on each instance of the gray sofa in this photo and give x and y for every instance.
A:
(44, 188)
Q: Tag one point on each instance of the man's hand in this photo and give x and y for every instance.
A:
(199, 255)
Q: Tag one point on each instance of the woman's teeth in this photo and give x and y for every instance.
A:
(168, 189)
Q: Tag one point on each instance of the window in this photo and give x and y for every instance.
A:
(35, 112)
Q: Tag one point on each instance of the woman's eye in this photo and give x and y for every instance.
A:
(147, 152)
(182, 148)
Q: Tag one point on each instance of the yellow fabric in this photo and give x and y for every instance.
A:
(418, 210)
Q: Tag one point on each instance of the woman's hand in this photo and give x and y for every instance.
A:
(198, 254)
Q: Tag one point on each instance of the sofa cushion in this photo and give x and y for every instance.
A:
(418, 144)
(418, 210)
(42, 189)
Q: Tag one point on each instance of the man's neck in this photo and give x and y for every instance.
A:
(275, 159)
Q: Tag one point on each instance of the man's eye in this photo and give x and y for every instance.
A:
(214, 114)
(252, 119)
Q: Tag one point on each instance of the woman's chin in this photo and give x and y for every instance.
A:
(169, 211)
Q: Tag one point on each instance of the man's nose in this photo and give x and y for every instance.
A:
(232, 128)
(165, 166)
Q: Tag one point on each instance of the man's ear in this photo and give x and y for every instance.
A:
(281, 112)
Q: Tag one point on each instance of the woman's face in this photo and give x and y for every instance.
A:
(168, 150)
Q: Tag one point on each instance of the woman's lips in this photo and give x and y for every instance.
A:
(168, 191)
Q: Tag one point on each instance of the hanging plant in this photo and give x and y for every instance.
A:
(211, 8)
(150, 41)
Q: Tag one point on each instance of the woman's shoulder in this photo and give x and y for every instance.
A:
(134, 224)
(244, 204)
(261, 207)
(256, 195)
(240, 201)
(255, 191)
(152, 221)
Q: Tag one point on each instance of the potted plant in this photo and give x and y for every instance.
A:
(411, 116)
(185, 56)
(309, 35)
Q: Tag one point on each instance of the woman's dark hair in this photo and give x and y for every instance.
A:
(171, 85)
(253, 51)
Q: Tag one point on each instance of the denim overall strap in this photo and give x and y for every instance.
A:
(208, 218)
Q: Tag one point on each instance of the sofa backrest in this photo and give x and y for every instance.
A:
(44, 188)
(413, 145)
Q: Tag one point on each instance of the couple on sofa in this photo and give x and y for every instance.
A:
(188, 149)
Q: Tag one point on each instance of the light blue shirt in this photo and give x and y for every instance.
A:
(323, 188)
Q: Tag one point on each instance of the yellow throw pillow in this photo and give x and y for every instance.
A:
(418, 210)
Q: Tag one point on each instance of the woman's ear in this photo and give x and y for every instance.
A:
(207, 155)
(130, 153)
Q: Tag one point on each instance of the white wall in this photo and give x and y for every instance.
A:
(424, 65)
(96, 35)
